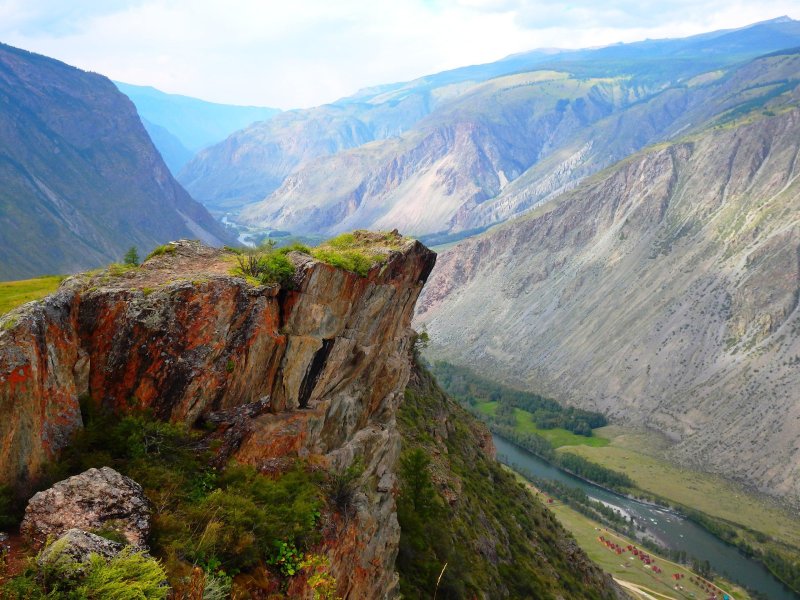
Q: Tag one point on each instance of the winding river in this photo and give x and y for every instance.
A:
(669, 528)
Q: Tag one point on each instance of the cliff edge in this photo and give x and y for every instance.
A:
(315, 372)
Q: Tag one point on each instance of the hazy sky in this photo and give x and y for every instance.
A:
(298, 53)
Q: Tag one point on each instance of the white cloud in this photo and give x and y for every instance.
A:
(311, 51)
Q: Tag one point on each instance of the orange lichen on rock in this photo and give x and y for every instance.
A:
(185, 339)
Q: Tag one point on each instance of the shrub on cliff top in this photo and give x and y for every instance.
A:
(161, 250)
(266, 264)
(226, 521)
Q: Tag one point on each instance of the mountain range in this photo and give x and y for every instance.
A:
(455, 152)
(82, 181)
(181, 126)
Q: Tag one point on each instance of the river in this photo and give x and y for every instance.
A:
(669, 528)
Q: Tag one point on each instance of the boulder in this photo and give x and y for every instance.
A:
(97, 499)
(75, 547)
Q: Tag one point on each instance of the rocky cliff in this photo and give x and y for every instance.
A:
(662, 292)
(81, 180)
(312, 373)
(183, 338)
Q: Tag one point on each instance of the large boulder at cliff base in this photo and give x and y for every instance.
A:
(95, 500)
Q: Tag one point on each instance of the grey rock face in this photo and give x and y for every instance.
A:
(664, 294)
(95, 499)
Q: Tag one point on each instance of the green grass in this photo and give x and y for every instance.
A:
(16, 293)
(558, 437)
(161, 250)
(358, 251)
(749, 520)
(229, 521)
(586, 533)
(641, 457)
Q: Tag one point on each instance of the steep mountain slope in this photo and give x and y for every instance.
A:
(476, 129)
(497, 540)
(174, 153)
(81, 180)
(253, 162)
(662, 292)
(195, 123)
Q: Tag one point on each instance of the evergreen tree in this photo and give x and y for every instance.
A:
(131, 256)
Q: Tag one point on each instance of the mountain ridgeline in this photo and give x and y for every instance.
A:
(181, 126)
(82, 181)
(662, 292)
(461, 150)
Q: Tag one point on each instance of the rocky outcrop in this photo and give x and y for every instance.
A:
(95, 500)
(316, 371)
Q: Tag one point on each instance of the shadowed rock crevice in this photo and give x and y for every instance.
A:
(313, 372)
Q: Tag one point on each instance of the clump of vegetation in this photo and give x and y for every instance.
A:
(161, 250)
(320, 579)
(131, 257)
(267, 264)
(358, 251)
(343, 486)
(226, 521)
(119, 269)
(128, 576)
(470, 390)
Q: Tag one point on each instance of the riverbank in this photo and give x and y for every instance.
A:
(679, 534)
(625, 567)
(756, 524)
(636, 465)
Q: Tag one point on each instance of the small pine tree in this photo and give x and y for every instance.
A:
(417, 484)
(131, 256)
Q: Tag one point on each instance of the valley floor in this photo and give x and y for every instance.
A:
(641, 581)
(16, 293)
(641, 455)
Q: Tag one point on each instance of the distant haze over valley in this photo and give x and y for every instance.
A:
(458, 151)
(181, 126)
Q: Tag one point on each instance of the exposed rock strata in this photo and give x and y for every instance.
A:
(663, 292)
(185, 339)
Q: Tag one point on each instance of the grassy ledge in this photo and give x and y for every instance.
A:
(357, 252)
(17, 293)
